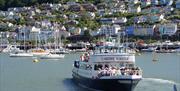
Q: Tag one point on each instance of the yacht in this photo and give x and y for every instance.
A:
(166, 51)
(81, 50)
(52, 56)
(60, 51)
(107, 68)
(149, 49)
(39, 52)
(20, 54)
(177, 50)
(11, 48)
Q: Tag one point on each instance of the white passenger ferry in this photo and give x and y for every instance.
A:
(108, 69)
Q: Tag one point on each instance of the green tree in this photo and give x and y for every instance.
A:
(87, 33)
(17, 3)
(2, 3)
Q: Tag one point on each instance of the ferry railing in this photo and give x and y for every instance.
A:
(119, 72)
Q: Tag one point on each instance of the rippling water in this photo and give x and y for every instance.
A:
(21, 74)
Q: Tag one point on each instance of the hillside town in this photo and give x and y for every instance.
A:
(89, 45)
(75, 22)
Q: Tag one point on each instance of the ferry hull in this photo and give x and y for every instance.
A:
(106, 84)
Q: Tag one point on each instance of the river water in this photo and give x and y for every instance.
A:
(21, 74)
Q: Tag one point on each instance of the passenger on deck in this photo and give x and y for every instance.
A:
(82, 57)
(106, 51)
(86, 57)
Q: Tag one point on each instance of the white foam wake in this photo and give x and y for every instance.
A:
(160, 80)
(156, 84)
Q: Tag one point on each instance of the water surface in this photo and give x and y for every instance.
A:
(21, 74)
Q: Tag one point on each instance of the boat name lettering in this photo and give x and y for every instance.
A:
(109, 58)
(122, 58)
(115, 58)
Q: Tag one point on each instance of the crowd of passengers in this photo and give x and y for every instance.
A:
(115, 71)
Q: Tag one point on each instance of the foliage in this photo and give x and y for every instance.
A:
(21, 21)
(4, 28)
(4, 4)
(174, 17)
(128, 15)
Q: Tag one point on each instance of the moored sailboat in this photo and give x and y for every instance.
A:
(22, 53)
(54, 55)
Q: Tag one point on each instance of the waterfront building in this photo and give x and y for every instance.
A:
(143, 31)
(130, 30)
(178, 4)
(139, 30)
(23, 33)
(113, 20)
(168, 29)
(109, 30)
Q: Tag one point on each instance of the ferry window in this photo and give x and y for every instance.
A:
(97, 67)
(76, 64)
(100, 66)
(106, 66)
(88, 67)
(131, 65)
(100, 51)
(122, 64)
(81, 66)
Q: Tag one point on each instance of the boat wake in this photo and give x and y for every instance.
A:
(159, 80)
(155, 84)
(70, 85)
(146, 84)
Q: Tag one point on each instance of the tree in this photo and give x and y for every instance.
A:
(2, 3)
(5, 4)
(87, 35)
(17, 3)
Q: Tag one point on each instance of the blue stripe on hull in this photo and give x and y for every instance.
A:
(107, 84)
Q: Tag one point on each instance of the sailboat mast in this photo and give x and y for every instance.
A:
(24, 41)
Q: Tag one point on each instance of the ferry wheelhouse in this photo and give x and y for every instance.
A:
(108, 69)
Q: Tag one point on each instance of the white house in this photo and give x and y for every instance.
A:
(145, 2)
(156, 18)
(101, 12)
(154, 2)
(133, 9)
(46, 23)
(113, 20)
(133, 1)
(91, 15)
(109, 30)
(23, 33)
(74, 31)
